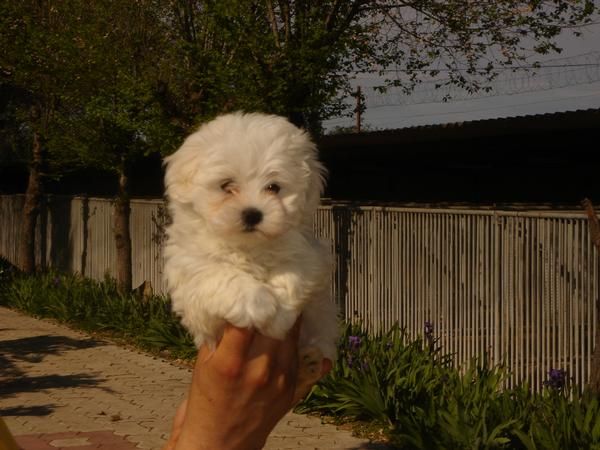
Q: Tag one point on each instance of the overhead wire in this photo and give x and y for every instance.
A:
(555, 74)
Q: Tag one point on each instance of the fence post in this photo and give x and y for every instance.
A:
(594, 224)
(497, 229)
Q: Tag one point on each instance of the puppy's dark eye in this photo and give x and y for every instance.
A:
(227, 186)
(273, 188)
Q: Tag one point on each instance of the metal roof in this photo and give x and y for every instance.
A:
(528, 124)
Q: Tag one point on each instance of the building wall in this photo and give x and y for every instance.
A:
(536, 167)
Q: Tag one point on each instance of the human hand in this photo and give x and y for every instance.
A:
(239, 392)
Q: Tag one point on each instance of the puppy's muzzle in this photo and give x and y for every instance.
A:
(250, 218)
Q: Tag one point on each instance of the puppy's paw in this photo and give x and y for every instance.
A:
(291, 288)
(254, 307)
(310, 361)
(261, 306)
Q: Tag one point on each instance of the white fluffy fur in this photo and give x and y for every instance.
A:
(216, 270)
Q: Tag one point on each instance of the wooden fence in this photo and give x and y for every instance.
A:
(519, 287)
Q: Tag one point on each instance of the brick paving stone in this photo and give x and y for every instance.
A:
(71, 442)
(74, 441)
(59, 385)
(33, 442)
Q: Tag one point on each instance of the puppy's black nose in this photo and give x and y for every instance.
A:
(251, 217)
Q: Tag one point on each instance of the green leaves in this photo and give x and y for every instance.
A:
(563, 420)
(134, 77)
(97, 306)
(380, 378)
(411, 390)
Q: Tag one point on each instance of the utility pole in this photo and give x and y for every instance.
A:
(359, 108)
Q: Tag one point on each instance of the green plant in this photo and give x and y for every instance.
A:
(7, 270)
(378, 377)
(98, 306)
(168, 334)
(562, 420)
(412, 391)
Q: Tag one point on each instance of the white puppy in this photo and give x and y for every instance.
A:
(242, 193)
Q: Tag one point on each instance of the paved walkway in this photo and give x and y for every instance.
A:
(61, 389)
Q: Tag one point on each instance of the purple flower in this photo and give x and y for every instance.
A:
(354, 342)
(56, 281)
(557, 379)
(429, 335)
(428, 328)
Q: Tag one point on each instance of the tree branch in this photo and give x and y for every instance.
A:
(330, 20)
(273, 22)
(284, 6)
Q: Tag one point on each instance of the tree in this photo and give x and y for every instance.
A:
(36, 77)
(83, 79)
(297, 58)
(122, 120)
(254, 55)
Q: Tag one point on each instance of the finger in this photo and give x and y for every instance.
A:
(288, 354)
(180, 416)
(262, 354)
(274, 355)
(288, 362)
(265, 344)
(295, 331)
(235, 342)
(204, 354)
(177, 425)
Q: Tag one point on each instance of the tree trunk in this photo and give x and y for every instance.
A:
(594, 383)
(31, 209)
(122, 233)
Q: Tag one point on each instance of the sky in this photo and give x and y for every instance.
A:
(570, 90)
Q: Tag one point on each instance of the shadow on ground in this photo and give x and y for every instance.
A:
(34, 350)
(17, 354)
(373, 446)
(41, 410)
(45, 382)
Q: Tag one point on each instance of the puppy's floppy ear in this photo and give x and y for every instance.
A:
(181, 167)
(317, 177)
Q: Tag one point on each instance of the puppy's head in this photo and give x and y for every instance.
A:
(250, 177)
